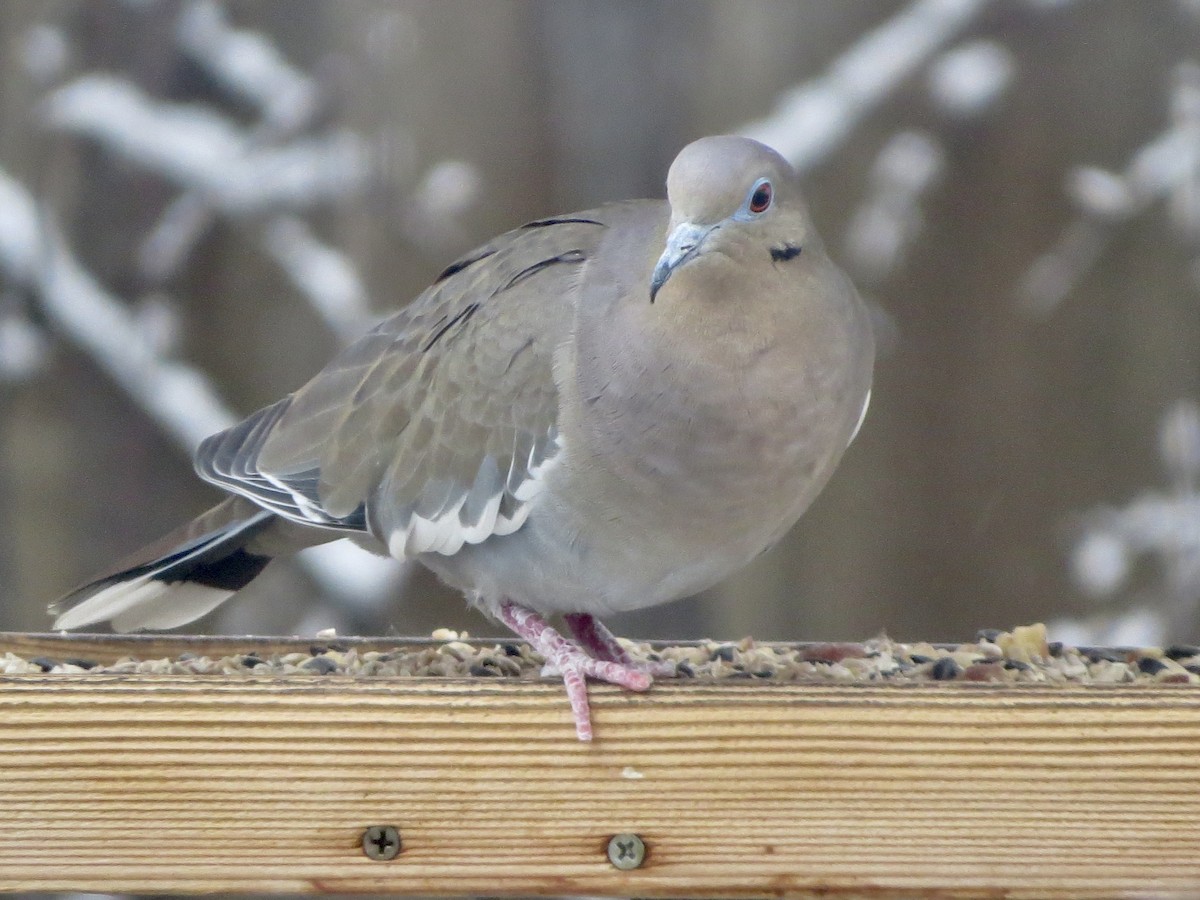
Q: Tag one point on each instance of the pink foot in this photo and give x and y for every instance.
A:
(602, 644)
(570, 661)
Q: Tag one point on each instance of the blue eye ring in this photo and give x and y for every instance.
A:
(762, 195)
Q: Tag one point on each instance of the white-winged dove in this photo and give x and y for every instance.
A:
(593, 413)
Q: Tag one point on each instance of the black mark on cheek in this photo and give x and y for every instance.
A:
(784, 253)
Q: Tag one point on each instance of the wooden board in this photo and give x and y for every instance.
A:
(142, 783)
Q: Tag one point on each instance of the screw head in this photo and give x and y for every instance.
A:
(626, 850)
(381, 842)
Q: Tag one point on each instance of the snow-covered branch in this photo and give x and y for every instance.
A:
(251, 68)
(248, 65)
(1163, 525)
(810, 121)
(323, 275)
(195, 147)
(35, 257)
(1167, 167)
(966, 80)
(889, 219)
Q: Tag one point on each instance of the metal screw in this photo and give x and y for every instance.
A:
(381, 842)
(626, 851)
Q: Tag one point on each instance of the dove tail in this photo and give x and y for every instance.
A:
(178, 578)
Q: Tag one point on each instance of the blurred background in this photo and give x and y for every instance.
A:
(200, 200)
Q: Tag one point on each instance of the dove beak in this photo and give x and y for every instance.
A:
(682, 244)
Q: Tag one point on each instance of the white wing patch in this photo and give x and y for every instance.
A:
(446, 532)
(861, 416)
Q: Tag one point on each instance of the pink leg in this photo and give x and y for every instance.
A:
(569, 659)
(602, 644)
(596, 639)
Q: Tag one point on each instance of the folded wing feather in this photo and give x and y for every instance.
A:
(437, 427)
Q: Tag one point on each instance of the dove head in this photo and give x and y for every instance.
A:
(734, 196)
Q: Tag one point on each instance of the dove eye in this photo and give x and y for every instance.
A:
(760, 197)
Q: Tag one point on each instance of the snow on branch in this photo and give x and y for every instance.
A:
(197, 148)
(189, 144)
(252, 68)
(1163, 525)
(20, 233)
(324, 275)
(165, 250)
(248, 65)
(269, 168)
(434, 210)
(45, 53)
(889, 219)
(1183, 203)
(34, 256)
(967, 79)
(23, 345)
(1167, 167)
(812, 119)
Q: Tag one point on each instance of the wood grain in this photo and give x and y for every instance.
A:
(265, 784)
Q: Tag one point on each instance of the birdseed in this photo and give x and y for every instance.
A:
(1020, 656)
